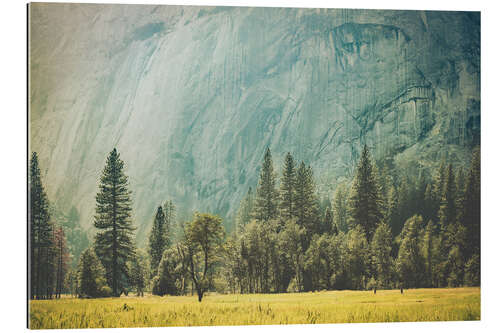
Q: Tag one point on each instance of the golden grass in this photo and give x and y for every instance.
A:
(259, 309)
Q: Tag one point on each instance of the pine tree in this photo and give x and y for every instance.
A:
(40, 230)
(340, 208)
(70, 282)
(307, 212)
(381, 247)
(428, 245)
(404, 205)
(393, 211)
(460, 184)
(471, 211)
(266, 202)
(455, 238)
(157, 240)
(428, 204)
(169, 212)
(138, 272)
(113, 241)
(437, 191)
(62, 259)
(328, 225)
(306, 203)
(385, 181)
(91, 276)
(448, 209)
(420, 192)
(364, 207)
(287, 188)
(244, 215)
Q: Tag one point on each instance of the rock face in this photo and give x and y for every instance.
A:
(192, 96)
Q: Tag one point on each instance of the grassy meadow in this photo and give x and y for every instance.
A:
(259, 309)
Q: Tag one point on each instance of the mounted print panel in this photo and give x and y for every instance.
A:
(195, 166)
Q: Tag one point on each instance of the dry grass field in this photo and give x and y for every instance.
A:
(259, 309)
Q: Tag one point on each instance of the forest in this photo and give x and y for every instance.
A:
(384, 229)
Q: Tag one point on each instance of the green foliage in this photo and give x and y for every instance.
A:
(357, 258)
(428, 247)
(371, 237)
(470, 215)
(291, 239)
(319, 261)
(473, 271)
(328, 225)
(91, 276)
(365, 207)
(448, 209)
(157, 240)
(410, 263)
(393, 215)
(381, 258)
(169, 211)
(71, 282)
(139, 271)
(307, 252)
(306, 202)
(171, 273)
(244, 215)
(437, 191)
(113, 241)
(40, 235)
(340, 207)
(203, 238)
(266, 202)
(455, 242)
(428, 203)
(76, 236)
(288, 188)
(61, 260)
(258, 247)
(234, 269)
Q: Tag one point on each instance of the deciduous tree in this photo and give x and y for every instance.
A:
(203, 238)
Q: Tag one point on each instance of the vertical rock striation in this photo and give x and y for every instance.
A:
(192, 96)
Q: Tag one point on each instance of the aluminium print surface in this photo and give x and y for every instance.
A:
(194, 166)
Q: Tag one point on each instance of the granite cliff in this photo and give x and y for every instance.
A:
(192, 96)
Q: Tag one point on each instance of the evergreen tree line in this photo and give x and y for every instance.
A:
(382, 230)
(48, 254)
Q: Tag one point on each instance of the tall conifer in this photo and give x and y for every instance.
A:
(245, 211)
(287, 188)
(340, 208)
(364, 207)
(471, 211)
(113, 241)
(169, 212)
(306, 203)
(266, 202)
(157, 240)
(448, 208)
(41, 232)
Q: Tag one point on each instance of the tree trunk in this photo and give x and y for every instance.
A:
(200, 294)
(114, 261)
